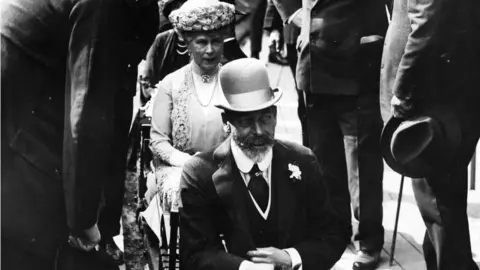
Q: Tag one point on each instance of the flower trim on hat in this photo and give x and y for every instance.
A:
(204, 18)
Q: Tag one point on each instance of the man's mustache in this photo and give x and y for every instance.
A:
(257, 140)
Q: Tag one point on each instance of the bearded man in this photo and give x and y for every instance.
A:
(255, 202)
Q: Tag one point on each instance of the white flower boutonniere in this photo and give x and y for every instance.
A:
(296, 173)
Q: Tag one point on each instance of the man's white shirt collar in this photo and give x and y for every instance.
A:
(245, 165)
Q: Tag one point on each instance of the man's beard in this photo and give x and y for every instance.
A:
(255, 147)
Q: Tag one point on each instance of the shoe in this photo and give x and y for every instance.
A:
(255, 55)
(112, 250)
(366, 260)
(277, 58)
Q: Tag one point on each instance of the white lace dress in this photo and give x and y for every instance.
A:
(184, 122)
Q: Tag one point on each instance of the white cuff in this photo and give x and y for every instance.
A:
(290, 19)
(295, 257)
(244, 265)
(178, 158)
(228, 39)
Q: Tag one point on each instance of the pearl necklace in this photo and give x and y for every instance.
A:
(203, 80)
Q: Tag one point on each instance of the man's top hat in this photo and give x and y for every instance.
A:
(246, 86)
(419, 146)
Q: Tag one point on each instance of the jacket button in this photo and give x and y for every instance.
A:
(33, 111)
(49, 98)
(57, 171)
(33, 240)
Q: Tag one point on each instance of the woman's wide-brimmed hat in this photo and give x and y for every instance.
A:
(423, 145)
(202, 15)
(246, 86)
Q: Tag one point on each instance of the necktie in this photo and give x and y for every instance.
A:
(258, 187)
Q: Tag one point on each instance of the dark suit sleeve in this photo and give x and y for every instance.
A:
(200, 245)
(89, 107)
(425, 17)
(153, 61)
(272, 18)
(287, 7)
(327, 240)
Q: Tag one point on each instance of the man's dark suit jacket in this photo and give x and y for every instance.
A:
(162, 58)
(431, 54)
(213, 205)
(68, 78)
(273, 20)
(335, 62)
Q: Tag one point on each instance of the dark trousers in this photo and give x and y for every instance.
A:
(292, 58)
(442, 200)
(344, 133)
(256, 27)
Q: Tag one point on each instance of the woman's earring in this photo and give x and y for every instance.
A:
(226, 128)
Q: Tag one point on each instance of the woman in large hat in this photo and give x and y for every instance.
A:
(184, 118)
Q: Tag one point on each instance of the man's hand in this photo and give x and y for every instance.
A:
(274, 39)
(271, 255)
(304, 38)
(401, 108)
(88, 241)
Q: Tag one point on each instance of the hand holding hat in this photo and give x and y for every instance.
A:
(421, 145)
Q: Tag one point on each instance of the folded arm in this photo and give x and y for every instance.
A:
(161, 132)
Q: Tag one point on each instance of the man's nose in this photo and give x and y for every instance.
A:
(257, 127)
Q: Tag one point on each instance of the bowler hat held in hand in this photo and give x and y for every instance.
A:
(419, 146)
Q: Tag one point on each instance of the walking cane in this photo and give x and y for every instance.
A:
(394, 239)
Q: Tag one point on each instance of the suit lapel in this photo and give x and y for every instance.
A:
(231, 190)
(285, 192)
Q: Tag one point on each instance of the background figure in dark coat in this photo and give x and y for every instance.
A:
(256, 28)
(431, 59)
(68, 78)
(273, 20)
(339, 60)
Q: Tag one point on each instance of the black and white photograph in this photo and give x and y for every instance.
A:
(240, 134)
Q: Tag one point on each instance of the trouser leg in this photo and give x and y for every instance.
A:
(256, 30)
(361, 126)
(442, 201)
(326, 141)
(301, 110)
